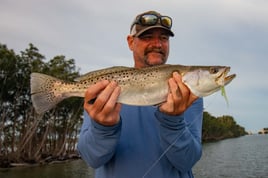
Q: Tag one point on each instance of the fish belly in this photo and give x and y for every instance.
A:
(148, 94)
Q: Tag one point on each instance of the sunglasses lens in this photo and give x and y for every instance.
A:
(151, 19)
(148, 19)
(166, 21)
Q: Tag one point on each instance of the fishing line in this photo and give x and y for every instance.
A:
(211, 102)
(168, 148)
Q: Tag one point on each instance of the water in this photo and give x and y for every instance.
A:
(244, 157)
(73, 169)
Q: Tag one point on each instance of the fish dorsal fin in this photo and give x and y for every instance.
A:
(103, 72)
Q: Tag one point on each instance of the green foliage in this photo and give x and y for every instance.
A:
(217, 128)
(25, 136)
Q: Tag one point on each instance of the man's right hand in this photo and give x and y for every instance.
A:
(101, 102)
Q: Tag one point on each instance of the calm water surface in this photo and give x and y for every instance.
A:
(73, 169)
(244, 157)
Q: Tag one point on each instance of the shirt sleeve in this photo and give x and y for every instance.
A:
(181, 136)
(97, 143)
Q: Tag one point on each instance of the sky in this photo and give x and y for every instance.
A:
(207, 32)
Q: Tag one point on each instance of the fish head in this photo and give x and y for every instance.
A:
(205, 80)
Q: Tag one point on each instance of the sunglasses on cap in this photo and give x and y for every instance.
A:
(152, 19)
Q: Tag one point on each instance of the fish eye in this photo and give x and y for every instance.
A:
(214, 70)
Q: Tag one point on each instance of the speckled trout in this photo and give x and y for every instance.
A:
(141, 87)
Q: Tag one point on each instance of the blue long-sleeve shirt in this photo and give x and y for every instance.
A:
(145, 143)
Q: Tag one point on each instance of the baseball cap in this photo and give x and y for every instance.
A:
(149, 20)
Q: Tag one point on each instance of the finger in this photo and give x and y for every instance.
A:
(167, 107)
(177, 77)
(93, 90)
(104, 96)
(112, 100)
(175, 91)
(185, 91)
(192, 98)
(109, 114)
(115, 117)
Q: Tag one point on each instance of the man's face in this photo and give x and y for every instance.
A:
(150, 48)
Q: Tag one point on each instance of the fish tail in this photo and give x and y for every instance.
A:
(42, 94)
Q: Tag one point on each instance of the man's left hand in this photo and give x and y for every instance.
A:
(179, 97)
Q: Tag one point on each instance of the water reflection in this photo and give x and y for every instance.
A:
(244, 157)
(73, 169)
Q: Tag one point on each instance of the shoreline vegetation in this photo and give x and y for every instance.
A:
(220, 128)
(28, 139)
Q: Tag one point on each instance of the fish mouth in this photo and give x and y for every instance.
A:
(228, 78)
(224, 79)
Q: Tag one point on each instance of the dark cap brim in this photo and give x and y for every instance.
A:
(152, 27)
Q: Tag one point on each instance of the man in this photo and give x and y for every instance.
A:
(124, 141)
